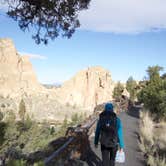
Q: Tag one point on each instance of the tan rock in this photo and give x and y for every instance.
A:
(16, 72)
(18, 81)
(88, 88)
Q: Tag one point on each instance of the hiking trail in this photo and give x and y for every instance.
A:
(133, 154)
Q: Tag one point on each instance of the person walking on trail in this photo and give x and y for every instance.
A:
(109, 130)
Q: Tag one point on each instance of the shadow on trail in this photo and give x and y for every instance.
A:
(134, 111)
(92, 159)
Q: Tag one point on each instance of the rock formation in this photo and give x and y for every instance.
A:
(88, 88)
(16, 72)
(18, 81)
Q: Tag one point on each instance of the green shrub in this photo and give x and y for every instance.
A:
(2, 132)
(14, 162)
(131, 85)
(1, 115)
(153, 95)
(75, 118)
(118, 90)
(25, 125)
(40, 163)
(22, 109)
(10, 116)
(52, 130)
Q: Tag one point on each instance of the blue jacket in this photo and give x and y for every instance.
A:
(119, 129)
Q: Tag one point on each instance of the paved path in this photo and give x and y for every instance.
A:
(133, 155)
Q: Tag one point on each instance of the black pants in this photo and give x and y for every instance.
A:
(108, 155)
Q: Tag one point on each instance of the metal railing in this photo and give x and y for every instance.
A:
(81, 128)
(56, 153)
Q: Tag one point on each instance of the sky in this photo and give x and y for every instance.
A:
(122, 36)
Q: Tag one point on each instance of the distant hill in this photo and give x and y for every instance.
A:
(51, 86)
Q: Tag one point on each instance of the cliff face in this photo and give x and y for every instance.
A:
(88, 88)
(16, 72)
(18, 81)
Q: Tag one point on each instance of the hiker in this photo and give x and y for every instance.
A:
(109, 129)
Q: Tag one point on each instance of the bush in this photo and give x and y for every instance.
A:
(2, 132)
(131, 85)
(153, 95)
(40, 163)
(118, 90)
(75, 118)
(22, 109)
(52, 130)
(25, 125)
(13, 162)
(152, 140)
(1, 115)
(10, 117)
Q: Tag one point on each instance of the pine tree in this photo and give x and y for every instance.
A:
(153, 95)
(118, 90)
(131, 85)
(22, 109)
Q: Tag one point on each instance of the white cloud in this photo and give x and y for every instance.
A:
(3, 10)
(33, 56)
(124, 16)
(3, 5)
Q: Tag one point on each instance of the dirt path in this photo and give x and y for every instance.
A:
(132, 152)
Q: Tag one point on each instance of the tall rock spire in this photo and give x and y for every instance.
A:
(16, 72)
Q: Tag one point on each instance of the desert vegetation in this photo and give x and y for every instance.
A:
(153, 94)
(153, 140)
(118, 90)
(21, 137)
(153, 121)
(131, 86)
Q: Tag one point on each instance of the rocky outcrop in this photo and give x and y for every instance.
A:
(16, 72)
(18, 81)
(85, 90)
(88, 88)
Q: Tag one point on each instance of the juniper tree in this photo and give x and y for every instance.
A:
(153, 95)
(49, 18)
(22, 109)
(118, 90)
(131, 85)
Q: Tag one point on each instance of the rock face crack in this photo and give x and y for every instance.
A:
(100, 83)
(87, 80)
(23, 82)
(89, 87)
(20, 68)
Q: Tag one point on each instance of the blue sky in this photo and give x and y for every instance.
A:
(125, 49)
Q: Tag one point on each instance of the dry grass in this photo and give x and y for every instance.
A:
(156, 161)
(153, 140)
